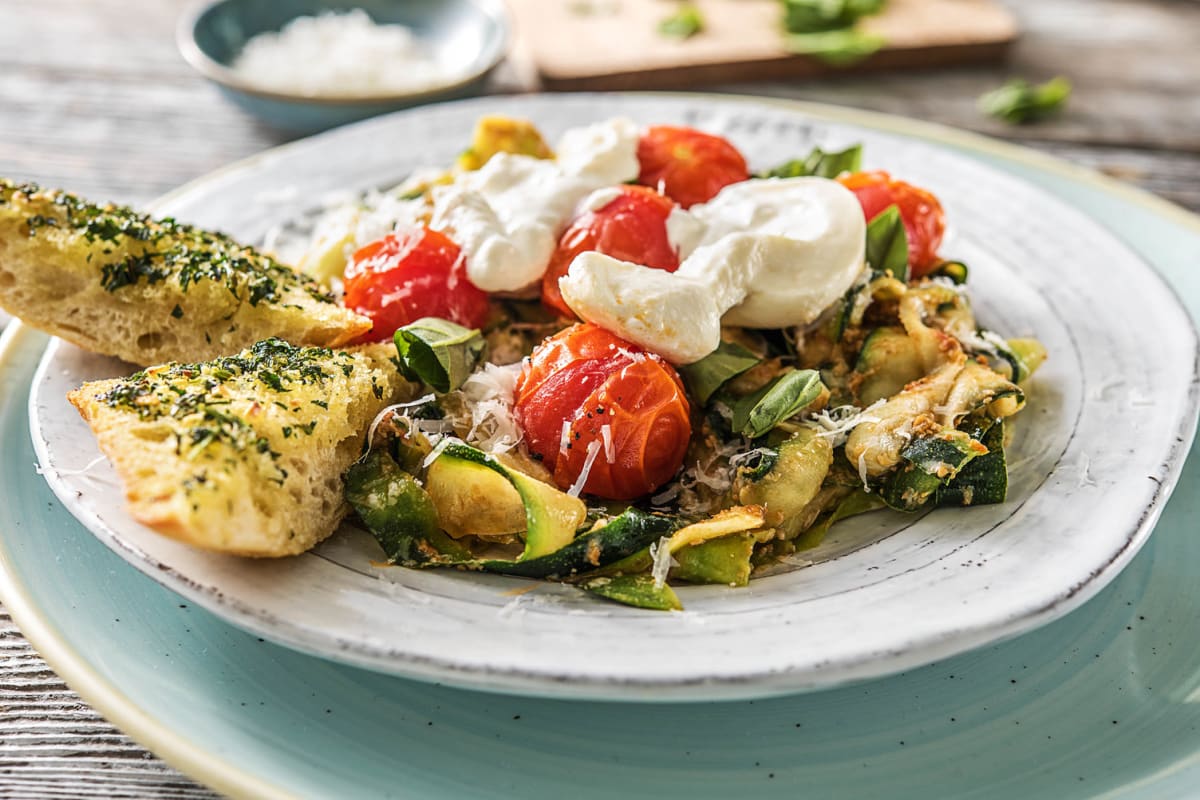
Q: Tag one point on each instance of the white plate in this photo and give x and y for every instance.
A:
(1110, 417)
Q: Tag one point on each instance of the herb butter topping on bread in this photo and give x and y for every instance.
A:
(117, 282)
(242, 454)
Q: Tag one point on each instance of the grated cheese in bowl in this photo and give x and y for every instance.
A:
(339, 54)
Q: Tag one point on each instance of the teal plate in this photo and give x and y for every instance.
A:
(1105, 701)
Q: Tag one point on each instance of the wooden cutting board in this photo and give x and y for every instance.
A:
(615, 44)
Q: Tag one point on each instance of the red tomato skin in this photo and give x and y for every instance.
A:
(408, 275)
(922, 214)
(591, 378)
(631, 227)
(688, 165)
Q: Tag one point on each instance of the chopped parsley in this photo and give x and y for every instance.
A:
(190, 396)
(137, 248)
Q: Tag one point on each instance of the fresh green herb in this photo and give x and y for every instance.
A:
(820, 164)
(718, 367)
(135, 248)
(686, 22)
(785, 396)
(438, 352)
(841, 48)
(1019, 101)
(272, 380)
(817, 16)
(185, 394)
(825, 29)
(887, 244)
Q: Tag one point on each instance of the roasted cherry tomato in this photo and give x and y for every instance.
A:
(631, 227)
(408, 275)
(924, 220)
(687, 165)
(584, 391)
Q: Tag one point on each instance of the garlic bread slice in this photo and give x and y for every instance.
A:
(148, 291)
(242, 454)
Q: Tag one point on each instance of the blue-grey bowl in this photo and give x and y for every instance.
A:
(472, 34)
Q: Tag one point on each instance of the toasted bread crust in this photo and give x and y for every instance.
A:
(242, 455)
(149, 291)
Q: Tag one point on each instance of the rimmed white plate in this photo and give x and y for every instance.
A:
(1110, 419)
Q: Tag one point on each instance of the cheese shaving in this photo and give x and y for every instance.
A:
(666, 495)
(593, 450)
(741, 458)
(564, 438)
(837, 423)
(660, 553)
(389, 410)
(70, 473)
(438, 448)
(862, 471)
(489, 396)
(610, 454)
(1085, 477)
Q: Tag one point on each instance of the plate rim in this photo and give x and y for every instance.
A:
(765, 681)
(73, 666)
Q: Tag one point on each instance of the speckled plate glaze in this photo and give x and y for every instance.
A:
(1111, 417)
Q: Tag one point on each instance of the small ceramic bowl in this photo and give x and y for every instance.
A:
(470, 36)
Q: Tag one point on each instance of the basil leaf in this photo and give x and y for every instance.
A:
(817, 16)
(887, 244)
(820, 164)
(683, 24)
(438, 352)
(1019, 101)
(838, 48)
(756, 414)
(710, 373)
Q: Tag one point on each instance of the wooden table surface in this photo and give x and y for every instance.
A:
(94, 97)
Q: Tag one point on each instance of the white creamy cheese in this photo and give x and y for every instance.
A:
(678, 318)
(762, 254)
(507, 215)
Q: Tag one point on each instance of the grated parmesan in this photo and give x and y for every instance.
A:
(339, 55)
(593, 450)
(390, 409)
(489, 397)
(660, 553)
(837, 423)
(1085, 476)
(862, 471)
(442, 444)
(610, 454)
(666, 495)
(564, 438)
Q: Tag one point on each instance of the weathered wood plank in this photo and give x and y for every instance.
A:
(1133, 66)
(52, 745)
